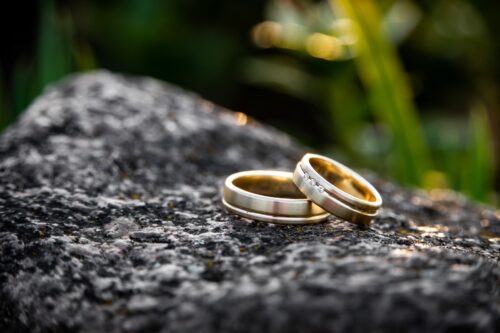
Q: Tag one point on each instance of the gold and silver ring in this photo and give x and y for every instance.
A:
(317, 187)
(269, 196)
(337, 189)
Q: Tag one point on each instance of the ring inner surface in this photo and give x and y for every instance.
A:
(341, 179)
(270, 186)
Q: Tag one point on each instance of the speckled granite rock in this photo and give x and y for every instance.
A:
(110, 220)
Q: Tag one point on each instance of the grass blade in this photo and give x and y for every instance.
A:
(53, 56)
(479, 168)
(390, 94)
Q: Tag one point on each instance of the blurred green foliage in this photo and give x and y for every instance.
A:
(329, 72)
(56, 55)
(391, 135)
(390, 94)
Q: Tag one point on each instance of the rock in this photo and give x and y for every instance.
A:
(111, 221)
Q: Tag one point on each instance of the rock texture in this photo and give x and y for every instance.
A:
(110, 221)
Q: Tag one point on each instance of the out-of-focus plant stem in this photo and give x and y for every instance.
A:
(383, 77)
(5, 117)
(53, 56)
(479, 166)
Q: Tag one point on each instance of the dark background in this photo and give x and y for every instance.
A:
(449, 54)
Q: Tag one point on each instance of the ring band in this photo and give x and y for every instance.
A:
(269, 196)
(337, 189)
(275, 219)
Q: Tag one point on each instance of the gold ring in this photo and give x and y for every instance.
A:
(269, 196)
(337, 189)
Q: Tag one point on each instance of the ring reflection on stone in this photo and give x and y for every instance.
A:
(269, 196)
(337, 189)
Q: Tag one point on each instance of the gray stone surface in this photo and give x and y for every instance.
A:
(110, 220)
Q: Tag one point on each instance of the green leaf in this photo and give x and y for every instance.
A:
(53, 54)
(478, 172)
(283, 76)
(5, 113)
(389, 90)
(22, 86)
